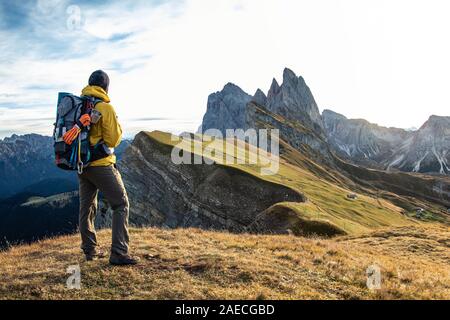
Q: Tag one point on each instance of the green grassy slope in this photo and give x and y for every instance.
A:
(327, 200)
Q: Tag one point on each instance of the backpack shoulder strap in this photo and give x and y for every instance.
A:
(92, 100)
(96, 101)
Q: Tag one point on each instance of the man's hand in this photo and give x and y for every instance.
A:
(85, 120)
(71, 135)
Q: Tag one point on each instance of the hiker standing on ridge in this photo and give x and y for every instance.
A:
(102, 175)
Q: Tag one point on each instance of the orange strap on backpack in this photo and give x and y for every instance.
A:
(85, 120)
(70, 136)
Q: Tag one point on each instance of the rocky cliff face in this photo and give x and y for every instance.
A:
(294, 101)
(425, 150)
(289, 107)
(360, 140)
(309, 142)
(206, 196)
(226, 109)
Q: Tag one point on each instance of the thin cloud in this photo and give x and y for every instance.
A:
(39, 87)
(120, 36)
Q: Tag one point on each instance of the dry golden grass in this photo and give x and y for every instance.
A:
(196, 264)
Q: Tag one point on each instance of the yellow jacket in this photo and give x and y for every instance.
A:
(107, 128)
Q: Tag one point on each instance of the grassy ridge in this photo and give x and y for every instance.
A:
(327, 201)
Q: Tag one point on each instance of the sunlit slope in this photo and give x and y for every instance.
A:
(327, 201)
(198, 264)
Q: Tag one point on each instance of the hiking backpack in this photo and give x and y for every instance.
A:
(80, 153)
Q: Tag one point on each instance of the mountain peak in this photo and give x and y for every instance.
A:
(274, 88)
(294, 100)
(29, 137)
(435, 118)
(327, 113)
(274, 85)
(231, 88)
(260, 97)
(435, 122)
(288, 75)
(225, 109)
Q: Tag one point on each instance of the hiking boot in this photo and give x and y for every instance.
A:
(123, 260)
(94, 255)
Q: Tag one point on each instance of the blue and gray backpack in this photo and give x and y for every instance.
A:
(80, 153)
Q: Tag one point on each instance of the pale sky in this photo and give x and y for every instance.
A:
(385, 61)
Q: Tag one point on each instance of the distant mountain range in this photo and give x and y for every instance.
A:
(37, 199)
(425, 150)
(27, 165)
(28, 160)
(291, 108)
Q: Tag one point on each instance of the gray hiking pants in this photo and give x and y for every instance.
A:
(108, 181)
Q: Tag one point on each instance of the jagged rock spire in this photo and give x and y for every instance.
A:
(274, 89)
(294, 100)
(260, 97)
